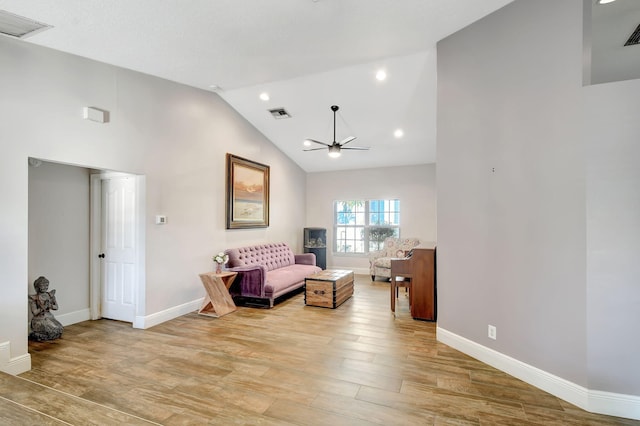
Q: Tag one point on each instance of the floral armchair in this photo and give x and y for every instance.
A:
(393, 248)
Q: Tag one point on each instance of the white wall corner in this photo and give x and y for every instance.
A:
(15, 365)
(610, 404)
(166, 315)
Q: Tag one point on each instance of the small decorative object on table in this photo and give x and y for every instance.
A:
(220, 259)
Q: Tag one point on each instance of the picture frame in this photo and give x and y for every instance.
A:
(247, 198)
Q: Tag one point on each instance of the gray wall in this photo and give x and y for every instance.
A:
(414, 186)
(174, 135)
(511, 185)
(538, 198)
(59, 233)
(612, 136)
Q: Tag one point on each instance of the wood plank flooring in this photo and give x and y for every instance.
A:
(290, 365)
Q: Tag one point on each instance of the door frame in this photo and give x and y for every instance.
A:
(95, 237)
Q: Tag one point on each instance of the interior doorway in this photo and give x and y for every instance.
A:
(65, 203)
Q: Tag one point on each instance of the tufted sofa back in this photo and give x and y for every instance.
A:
(272, 256)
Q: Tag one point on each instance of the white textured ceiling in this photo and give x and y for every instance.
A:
(308, 55)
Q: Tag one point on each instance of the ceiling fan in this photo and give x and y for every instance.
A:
(335, 148)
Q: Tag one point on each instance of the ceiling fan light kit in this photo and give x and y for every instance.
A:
(334, 151)
(335, 148)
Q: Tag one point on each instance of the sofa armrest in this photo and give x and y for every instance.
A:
(250, 281)
(305, 259)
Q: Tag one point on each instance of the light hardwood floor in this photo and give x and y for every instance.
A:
(290, 365)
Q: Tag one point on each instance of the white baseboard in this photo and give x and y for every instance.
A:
(15, 365)
(74, 317)
(614, 404)
(608, 403)
(166, 315)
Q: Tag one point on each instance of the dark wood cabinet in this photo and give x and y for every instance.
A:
(420, 268)
(315, 241)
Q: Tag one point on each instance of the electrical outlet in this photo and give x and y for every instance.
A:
(493, 332)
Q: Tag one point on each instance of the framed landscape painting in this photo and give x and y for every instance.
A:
(247, 193)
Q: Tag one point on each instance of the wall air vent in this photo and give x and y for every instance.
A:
(19, 26)
(635, 38)
(279, 113)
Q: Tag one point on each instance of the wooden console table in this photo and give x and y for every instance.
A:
(218, 301)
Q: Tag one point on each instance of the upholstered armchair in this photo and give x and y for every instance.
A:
(392, 248)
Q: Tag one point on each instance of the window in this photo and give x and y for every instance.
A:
(360, 226)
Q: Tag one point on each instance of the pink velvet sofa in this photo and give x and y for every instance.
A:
(267, 272)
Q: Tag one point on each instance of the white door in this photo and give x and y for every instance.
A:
(118, 251)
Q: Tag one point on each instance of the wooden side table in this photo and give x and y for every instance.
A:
(218, 301)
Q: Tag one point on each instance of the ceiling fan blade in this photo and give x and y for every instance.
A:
(314, 149)
(315, 141)
(347, 140)
(359, 148)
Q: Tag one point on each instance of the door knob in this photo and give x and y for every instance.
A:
(101, 255)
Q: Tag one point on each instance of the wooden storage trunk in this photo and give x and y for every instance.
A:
(328, 289)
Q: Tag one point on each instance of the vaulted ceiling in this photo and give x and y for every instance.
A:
(306, 54)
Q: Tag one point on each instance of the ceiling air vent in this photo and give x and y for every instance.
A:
(279, 113)
(19, 26)
(635, 37)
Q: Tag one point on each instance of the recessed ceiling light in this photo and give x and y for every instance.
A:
(605, 1)
(398, 133)
(381, 75)
(264, 96)
(307, 142)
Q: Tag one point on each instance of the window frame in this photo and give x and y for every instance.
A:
(365, 228)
